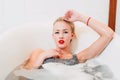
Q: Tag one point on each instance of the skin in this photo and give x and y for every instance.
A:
(105, 32)
(62, 31)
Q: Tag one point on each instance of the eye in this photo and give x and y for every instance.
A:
(65, 32)
(56, 32)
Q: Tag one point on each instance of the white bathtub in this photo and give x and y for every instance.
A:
(16, 45)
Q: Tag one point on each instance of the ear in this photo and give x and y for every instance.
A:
(73, 35)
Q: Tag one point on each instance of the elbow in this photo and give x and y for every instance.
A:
(109, 34)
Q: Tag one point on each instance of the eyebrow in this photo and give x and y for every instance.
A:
(63, 29)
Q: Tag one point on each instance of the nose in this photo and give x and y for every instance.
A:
(61, 36)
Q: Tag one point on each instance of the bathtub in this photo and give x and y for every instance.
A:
(17, 43)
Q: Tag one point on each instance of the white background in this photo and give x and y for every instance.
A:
(17, 12)
(118, 18)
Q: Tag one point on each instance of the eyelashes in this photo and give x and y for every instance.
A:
(56, 32)
(63, 32)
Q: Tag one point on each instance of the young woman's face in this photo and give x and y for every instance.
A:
(62, 34)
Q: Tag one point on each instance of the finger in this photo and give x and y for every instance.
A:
(68, 14)
(56, 55)
(58, 50)
(65, 18)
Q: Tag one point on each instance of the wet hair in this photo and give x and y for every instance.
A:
(71, 24)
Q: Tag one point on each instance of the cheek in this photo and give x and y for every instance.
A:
(68, 38)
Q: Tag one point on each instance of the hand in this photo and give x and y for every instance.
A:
(36, 60)
(71, 16)
(51, 53)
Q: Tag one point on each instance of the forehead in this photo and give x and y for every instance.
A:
(61, 25)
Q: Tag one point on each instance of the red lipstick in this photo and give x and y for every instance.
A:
(61, 41)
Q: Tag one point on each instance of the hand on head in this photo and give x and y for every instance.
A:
(71, 16)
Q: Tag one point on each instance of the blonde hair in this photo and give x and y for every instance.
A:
(71, 24)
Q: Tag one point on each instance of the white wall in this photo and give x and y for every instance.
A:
(11, 13)
(16, 12)
(118, 18)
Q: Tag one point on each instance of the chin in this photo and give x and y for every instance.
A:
(61, 46)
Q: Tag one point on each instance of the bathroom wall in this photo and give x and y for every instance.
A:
(17, 12)
(118, 18)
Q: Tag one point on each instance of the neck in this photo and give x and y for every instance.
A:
(65, 53)
(64, 50)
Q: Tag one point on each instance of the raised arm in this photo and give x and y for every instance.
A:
(105, 32)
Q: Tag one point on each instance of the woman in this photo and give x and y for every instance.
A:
(63, 33)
